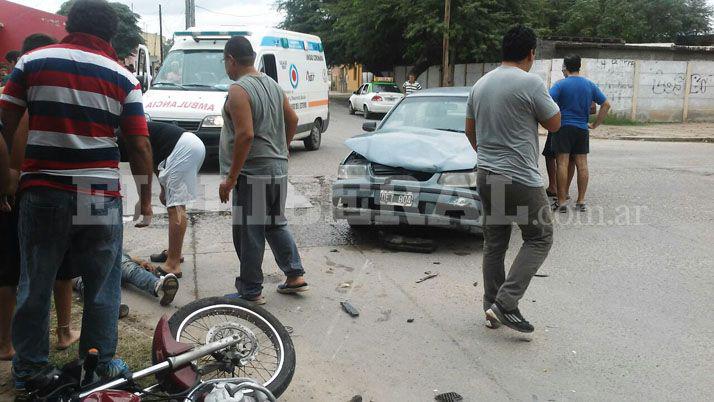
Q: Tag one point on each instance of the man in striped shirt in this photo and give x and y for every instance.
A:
(411, 85)
(77, 96)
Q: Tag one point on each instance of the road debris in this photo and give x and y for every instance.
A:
(410, 320)
(349, 309)
(345, 285)
(403, 243)
(475, 284)
(334, 250)
(356, 398)
(541, 275)
(429, 275)
(449, 397)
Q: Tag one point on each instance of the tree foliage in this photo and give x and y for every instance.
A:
(128, 33)
(381, 34)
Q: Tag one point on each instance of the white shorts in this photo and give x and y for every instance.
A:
(178, 174)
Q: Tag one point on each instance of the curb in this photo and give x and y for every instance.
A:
(666, 139)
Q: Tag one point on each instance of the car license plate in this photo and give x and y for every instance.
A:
(395, 198)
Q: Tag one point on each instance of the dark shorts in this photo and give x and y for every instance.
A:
(571, 140)
(9, 250)
(548, 148)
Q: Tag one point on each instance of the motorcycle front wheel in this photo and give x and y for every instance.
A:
(265, 352)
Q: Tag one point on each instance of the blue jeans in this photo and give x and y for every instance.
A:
(134, 274)
(259, 215)
(84, 233)
(131, 274)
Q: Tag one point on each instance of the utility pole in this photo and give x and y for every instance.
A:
(445, 65)
(161, 37)
(190, 13)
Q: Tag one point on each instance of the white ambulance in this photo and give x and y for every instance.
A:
(191, 87)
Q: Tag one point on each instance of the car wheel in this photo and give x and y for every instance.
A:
(351, 108)
(366, 112)
(312, 142)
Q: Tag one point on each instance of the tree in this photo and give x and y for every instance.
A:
(128, 35)
(380, 34)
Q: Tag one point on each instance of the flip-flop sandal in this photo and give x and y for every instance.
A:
(161, 272)
(559, 208)
(285, 289)
(161, 257)
(581, 207)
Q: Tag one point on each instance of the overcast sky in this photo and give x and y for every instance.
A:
(208, 12)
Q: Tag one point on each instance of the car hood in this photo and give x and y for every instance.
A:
(422, 150)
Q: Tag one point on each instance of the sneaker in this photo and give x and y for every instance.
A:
(113, 369)
(259, 299)
(512, 319)
(166, 289)
(20, 382)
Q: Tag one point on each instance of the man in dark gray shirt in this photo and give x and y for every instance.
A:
(259, 126)
(502, 117)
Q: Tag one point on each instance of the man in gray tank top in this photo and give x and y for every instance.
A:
(259, 125)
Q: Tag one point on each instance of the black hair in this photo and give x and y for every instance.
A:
(36, 40)
(572, 63)
(241, 50)
(12, 56)
(518, 43)
(94, 17)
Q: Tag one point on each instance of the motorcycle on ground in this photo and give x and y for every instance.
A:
(212, 350)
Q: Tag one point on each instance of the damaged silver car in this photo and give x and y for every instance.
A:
(415, 167)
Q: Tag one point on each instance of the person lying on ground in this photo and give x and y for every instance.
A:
(143, 276)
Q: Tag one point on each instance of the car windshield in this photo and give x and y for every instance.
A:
(385, 88)
(447, 113)
(193, 70)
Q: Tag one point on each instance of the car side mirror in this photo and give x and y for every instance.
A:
(355, 93)
(144, 81)
(369, 126)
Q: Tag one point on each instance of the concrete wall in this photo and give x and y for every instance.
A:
(642, 90)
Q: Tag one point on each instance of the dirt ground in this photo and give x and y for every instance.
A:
(683, 130)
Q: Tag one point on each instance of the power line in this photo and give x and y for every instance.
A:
(232, 15)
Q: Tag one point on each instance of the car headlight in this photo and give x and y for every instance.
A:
(212, 121)
(459, 179)
(351, 172)
(147, 117)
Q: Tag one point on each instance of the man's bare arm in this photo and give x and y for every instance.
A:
(291, 121)
(10, 121)
(471, 132)
(604, 109)
(141, 162)
(552, 124)
(242, 118)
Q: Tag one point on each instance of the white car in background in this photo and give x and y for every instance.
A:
(375, 97)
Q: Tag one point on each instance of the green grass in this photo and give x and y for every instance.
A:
(611, 120)
(134, 347)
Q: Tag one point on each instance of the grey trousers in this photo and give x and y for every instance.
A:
(504, 203)
(259, 215)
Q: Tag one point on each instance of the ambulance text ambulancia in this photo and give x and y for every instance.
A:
(191, 86)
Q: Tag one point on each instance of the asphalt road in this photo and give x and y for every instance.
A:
(623, 312)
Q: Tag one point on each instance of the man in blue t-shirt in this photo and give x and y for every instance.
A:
(574, 95)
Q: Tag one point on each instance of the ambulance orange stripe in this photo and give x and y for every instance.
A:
(318, 103)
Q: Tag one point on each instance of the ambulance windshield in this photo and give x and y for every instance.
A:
(193, 70)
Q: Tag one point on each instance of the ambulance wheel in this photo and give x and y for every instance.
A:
(351, 108)
(312, 142)
(366, 113)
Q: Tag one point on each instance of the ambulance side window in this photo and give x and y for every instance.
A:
(270, 67)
